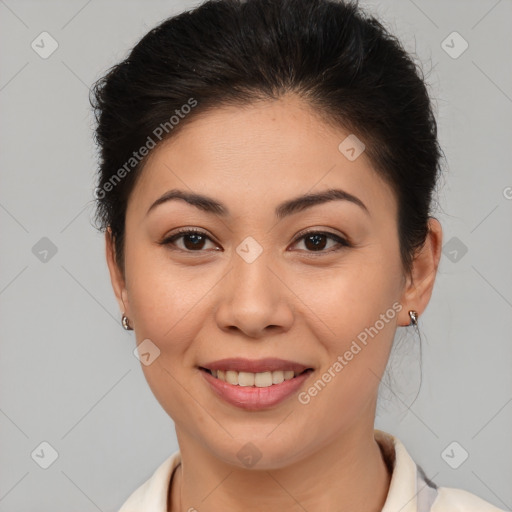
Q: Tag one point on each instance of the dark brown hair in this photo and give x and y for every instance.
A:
(333, 55)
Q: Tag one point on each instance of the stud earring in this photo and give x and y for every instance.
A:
(414, 317)
(125, 323)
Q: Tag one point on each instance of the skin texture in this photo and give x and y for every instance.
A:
(203, 305)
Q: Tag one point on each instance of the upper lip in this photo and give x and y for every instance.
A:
(268, 364)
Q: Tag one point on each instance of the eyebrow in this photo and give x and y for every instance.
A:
(285, 209)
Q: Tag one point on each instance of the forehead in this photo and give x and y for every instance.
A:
(258, 155)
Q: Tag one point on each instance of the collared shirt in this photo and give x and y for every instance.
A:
(409, 490)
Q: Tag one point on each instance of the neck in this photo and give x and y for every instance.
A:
(347, 474)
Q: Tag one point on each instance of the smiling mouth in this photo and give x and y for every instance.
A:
(259, 380)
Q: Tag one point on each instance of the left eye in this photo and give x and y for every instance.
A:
(315, 241)
(195, 239)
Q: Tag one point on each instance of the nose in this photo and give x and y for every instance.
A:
(255, 299)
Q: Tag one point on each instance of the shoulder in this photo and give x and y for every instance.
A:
(152, 495)
(411, 490)
(457, 500)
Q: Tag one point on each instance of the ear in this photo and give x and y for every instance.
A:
(420, 283)
(116, 276)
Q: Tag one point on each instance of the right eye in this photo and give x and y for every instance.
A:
(193, 240)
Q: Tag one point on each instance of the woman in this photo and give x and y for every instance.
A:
(266, 179)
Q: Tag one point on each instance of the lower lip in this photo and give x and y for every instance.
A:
(254, 398)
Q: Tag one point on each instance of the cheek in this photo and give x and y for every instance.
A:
(354, 296)
(362, 323)
(165, 304)
(163, 297)
(359, 307)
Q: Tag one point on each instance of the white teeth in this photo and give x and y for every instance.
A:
(260, 380)
(246, 379)
(231, 377)
(277, 377)
(263, 380)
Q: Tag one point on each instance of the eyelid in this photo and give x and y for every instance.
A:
(169, 239)
(342, 241)
(320, 231)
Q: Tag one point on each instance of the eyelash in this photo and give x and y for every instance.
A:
(343, 243)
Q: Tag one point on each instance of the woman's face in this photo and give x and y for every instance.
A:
(254, 287)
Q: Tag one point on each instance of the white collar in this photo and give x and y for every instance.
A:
(409, 489)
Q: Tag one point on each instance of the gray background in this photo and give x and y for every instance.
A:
(68, 375)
